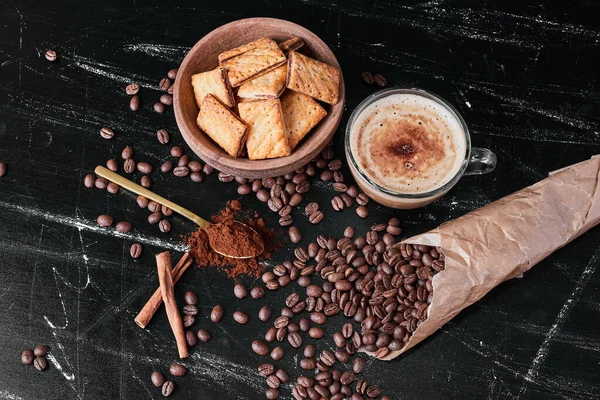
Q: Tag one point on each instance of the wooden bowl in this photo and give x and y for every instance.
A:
(203, 57)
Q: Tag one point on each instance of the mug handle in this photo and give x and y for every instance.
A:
(482, 161)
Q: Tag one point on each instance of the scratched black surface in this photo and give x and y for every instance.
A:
(523, 75)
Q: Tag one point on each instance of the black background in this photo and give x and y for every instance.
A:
(524, 76)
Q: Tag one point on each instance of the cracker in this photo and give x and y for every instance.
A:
(300, 113)
(223, 126)
(313, 78)
(251, 60)
(290, 45)
(267, 137)
(214, 82)
(266, 86)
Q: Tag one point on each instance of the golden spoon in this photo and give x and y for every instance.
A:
(235, 229)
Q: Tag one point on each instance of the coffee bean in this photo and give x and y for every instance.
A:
(190, 298)
(157, 379)
(166, 167)
(282, 375)
(274, 204)
(107, 133)
(50, 55)
(303, 187)
(208, 169)
(295, 199)
(132, 89)
(362, 211)
(164, 226)
(316, 217)
(271, 334)
(145, 181)
(362, 199)
(124, 227)
(203, 335)
(191, 339)
(337, 203)
(240, 291)
(294, 234)
(295, 339)
(272, 394)
(129, 166)
(154, 218)
(101, 183)
(105, 220)
(164, 84)
(339, 339)
(266, 369)
(260, 348)
(127, 153)
(367, 77)
(195, 166)
(27, 357)
(311, 208)
(166, 99)
(181, 172)
(264, 314)
(380, 80)
(134, 103)
(316, 332)
(188, 320)
(277, 353)
(176, 151)
(172, 73)
(240, 317)
(40, 363)
(162, 136)
(217, 313)
(135, 250)
(89, 180)
(358, 365)
(144, 167)
(167, 388)
(112, 188)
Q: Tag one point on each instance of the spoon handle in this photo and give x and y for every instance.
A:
(142, 191)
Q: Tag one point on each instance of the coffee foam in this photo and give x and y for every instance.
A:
(408, 143)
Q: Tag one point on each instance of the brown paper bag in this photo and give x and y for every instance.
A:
(505, 238)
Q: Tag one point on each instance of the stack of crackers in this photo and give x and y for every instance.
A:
(275, 106)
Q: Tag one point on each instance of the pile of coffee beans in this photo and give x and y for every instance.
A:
(167, 386)
(378, 79)
(35, 357)
(190, 312)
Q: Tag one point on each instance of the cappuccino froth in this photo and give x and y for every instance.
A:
(407, 143)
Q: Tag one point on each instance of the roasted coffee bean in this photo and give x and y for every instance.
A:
(339, 339)
(277, 353)
(292, 300)
(274, 204)
(190, 297)
(112, 188)
(172, 73)
(157, 379)
(362, 211)
(166, 211)
(217, 313)
(27, 357)
(282, 321)
(264, 314)
(316, 217)
(145, 181)
(295, 339)
(311, 208)
(272, 394)
(176, 152)
(327, 357)
(358, 365)
(272, 284)
(203, 335)
(89, 180)
(107, 133)
(135, 251)
(295, 199)
(373, 390)
(134, 103)
(190, 309)
(164, 226)
(112, 164)
(132, 89)
(257, 292)
(367, 77)
(188, 320)
(337, 203)
(303, 187)
(196, 177)
(260, 348)
(362, 199)
(326, 175)
(167, 388)
(101, 183)
(144, 167)
(244, 189)
(166, 99)
(263, 195)
(348, 201)
(40, 363)
(50, 55)
(282, 375)
(190, 339)
(154, 218)
(380, 80)
(347, 378)
(164, 84)
(266, 369)
(316, 332)
(240, 317)
(294, 234)
(123, 227)
(240, 291)
(105, 220)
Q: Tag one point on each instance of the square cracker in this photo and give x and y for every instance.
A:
(314, 78)
(266, 129)
(250, 60)
(266, 86)
(223, 126)
(300, 113)
(290, 45)
(213, 82)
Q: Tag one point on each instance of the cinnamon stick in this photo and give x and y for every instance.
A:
(165, 277)
(147, 312)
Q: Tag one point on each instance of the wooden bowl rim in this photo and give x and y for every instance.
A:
(270, 167)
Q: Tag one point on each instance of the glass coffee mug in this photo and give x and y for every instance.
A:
(476, 160)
